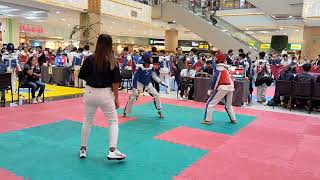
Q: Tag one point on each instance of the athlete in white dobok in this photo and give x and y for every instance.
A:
(222, 86)
(142, 82)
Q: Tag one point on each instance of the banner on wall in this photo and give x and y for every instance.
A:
(265, 46)
(31, 29)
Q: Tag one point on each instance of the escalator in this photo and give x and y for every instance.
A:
(222, 35)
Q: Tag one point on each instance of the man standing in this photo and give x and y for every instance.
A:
(178, 65)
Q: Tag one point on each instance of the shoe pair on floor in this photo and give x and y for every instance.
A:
(115, 155)
(37, 100)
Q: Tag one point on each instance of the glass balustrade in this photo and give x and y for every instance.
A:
(217, 22)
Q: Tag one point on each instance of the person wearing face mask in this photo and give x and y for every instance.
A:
(192, 56)
(294, 65)
(285, 60)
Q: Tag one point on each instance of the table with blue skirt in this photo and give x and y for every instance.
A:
(240, 95)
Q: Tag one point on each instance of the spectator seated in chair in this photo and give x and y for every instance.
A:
(286, 75)
(186, 77)
(305, 76)
(33, 73)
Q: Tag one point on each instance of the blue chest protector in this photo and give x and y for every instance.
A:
(143, 75)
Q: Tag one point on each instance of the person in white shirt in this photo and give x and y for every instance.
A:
(186, 77)
(285, 60)
(71, 55)
(262, 74)
(165, 69)
(86, 51)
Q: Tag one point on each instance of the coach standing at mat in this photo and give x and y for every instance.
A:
(102, 75)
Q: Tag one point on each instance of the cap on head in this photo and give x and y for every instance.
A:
(221, 57)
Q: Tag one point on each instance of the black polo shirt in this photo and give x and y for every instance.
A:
(95, 79)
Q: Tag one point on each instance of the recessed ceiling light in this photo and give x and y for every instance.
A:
(297, 30)
(281, 28)
(285, 33)
(290, 16)
(58, 12)
(69, 24)
(247, 29)
(113, 22)
(63, 19)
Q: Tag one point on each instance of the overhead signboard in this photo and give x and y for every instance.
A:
(295, 46)
(157, 42)
(265, 46)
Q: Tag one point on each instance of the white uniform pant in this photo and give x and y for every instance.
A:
(103, 98)
(135, 94)
(166, 79)
(214, 99)
(14, 81)
(261, 92)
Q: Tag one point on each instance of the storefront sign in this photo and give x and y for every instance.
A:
(31, 29)
(157, 42)
(265, 46)
(295, 46)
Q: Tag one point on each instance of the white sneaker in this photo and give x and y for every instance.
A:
(34, 101)
(39, 99)
(83, 153)
(116, 155)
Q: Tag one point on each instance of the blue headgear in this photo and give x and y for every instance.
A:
(146, 58)
(10, 47)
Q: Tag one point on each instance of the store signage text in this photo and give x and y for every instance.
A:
(31, 29)
(156, 41)
(295, 46)
(265, 46)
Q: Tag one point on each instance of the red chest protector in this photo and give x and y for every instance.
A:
(224, 78)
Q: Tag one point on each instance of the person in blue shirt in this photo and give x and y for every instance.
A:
(142, 82)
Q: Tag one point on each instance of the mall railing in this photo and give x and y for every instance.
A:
(235, 4)
(224, 26)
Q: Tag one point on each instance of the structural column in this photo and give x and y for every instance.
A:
(11, 31)
(311, 42)
(93, 16)
(171, 40)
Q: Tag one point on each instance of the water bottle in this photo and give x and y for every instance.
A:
(20, 100)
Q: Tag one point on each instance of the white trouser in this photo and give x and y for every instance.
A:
(103, 98)
(261, 92)
(14, 81)
(214, 99)
(77, 81)
(135, 94)
(166, 79)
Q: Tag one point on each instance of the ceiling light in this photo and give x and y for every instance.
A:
(63, 19)
(69, 24)
(113, 22)
(247, 29)
(297, 30)
(58, 12)
(290, 16)
(264, 32)
(285, 33)
(38, 12)
(281, 28)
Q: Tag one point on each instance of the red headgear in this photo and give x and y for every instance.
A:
(221, 57)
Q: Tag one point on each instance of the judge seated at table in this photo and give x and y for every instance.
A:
(207, 71)
(186, 80)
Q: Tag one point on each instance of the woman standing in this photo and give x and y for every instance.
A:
(102, 75)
